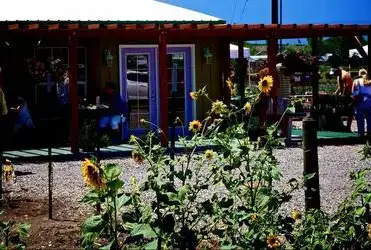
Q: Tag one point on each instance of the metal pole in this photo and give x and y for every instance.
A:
(98, 135)
(50, 165)
(274, 11)
(315, 79)
(312, 192)
(281, 48)
(173, 91)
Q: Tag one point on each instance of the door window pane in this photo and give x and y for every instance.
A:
(137, 83)
(176, 103)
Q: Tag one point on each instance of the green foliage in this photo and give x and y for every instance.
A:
(241, 208)
(13, 235)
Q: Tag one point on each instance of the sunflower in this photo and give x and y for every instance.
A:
(209, 154)
(247, 108)
(266, 84)
(194, 95)
(132, 139)
(138, 157)
(92, 174)
(195, 126)
(273, 241)
(254, 217)
(218, 107)
(8, 171)
(229, 83)
(233, 92)
(296, 215)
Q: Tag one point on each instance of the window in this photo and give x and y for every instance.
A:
(44, 54)
(175, 62)
(137, 75)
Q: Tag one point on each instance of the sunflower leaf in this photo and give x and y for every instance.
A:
(115, 185)
(151, 245)
(90, 198)
(143, 229)
(122, 201)
(112, 171)
(93, 224)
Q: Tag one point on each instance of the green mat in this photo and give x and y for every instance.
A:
(326, 134)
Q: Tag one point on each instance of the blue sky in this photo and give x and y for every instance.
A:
(294, 11)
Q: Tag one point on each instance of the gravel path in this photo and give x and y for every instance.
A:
(336, 163)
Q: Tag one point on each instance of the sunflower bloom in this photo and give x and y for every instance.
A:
(233, 92)
(273, 241)
(247, 108)
(195, 126)
(137, 157)
(254, 217)
(218, 107)
(266, 84)
(132, 139)
(92, 175)
(8, 171)
(296, 215)
(194, 95)
(209, 154)
(229, 83)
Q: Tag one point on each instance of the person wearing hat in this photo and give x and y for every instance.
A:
(362, 94)
(344, 88)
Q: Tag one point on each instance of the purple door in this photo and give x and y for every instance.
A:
(139, 87)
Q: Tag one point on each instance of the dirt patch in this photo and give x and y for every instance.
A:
(63, 232)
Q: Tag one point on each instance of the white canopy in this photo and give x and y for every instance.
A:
(353, 52)
(234, 51)
(98, 10)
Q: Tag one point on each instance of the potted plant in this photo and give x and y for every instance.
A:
(89, 139)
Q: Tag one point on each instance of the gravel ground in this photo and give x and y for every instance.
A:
(336, 163)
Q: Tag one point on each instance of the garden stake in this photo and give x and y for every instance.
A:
(312, 195)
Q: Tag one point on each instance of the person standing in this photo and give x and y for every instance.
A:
(344, 88)
(361, 91)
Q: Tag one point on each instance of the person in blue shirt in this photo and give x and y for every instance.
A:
(117, 110)
(362, 94)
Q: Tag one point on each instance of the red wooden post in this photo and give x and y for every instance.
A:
(74, 95)
(162, 56)
(272, 61)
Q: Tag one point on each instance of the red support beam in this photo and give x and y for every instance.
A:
(272, 62)
(53, 26)
(162, 56)
(74, 96)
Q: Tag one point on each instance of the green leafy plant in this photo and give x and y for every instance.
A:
(89, 139)
(13, 235)
(220, 193)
